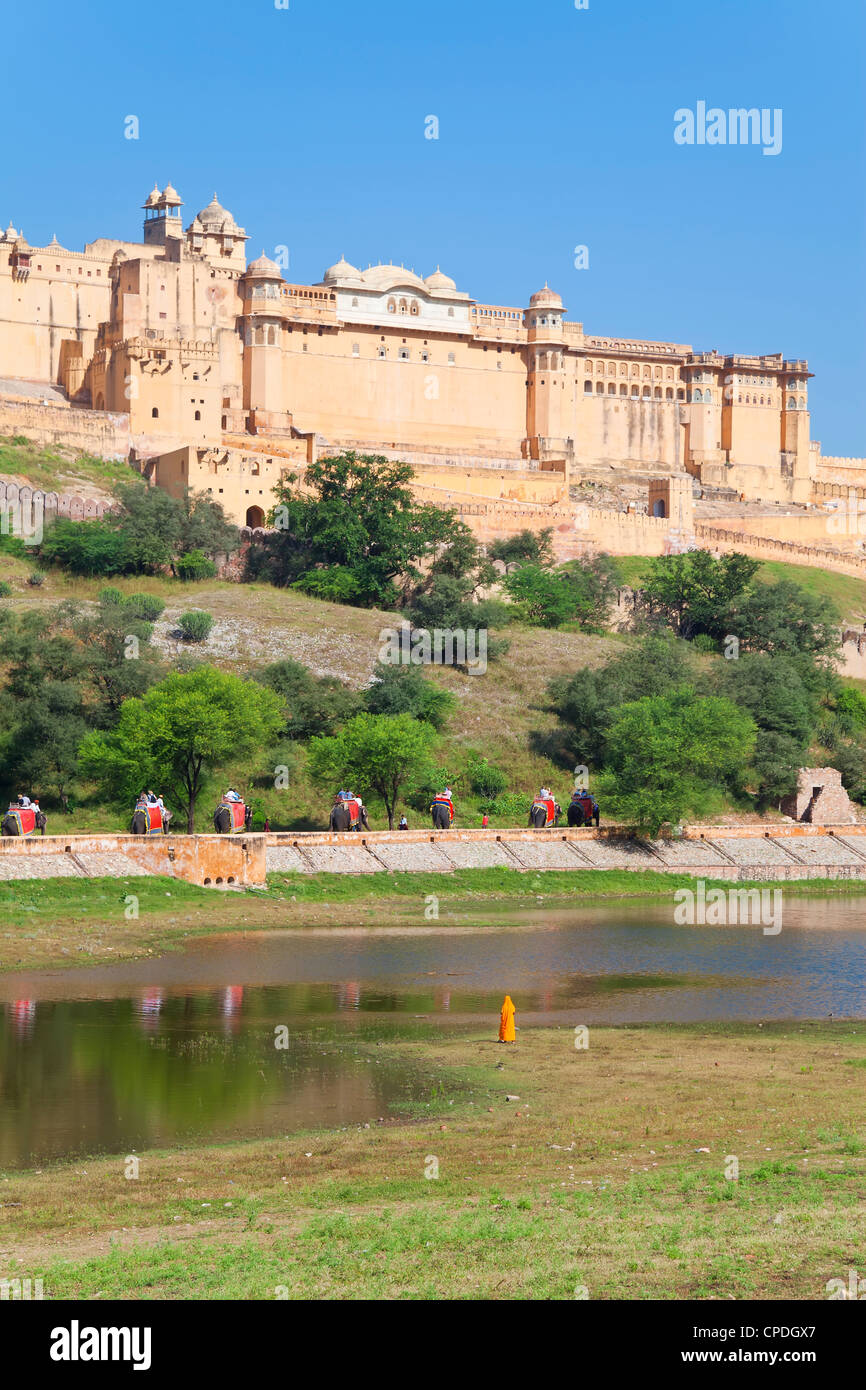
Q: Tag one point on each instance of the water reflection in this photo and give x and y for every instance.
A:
(122, 1057)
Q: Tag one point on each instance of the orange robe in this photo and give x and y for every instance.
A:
(506, 1021)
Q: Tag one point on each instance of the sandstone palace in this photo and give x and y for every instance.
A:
(214, 373)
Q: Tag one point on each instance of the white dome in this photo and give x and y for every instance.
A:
(342, 270)
(438, 281)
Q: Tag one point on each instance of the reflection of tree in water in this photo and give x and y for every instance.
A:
(107, 1076)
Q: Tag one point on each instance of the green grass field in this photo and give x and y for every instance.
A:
(612, 1176)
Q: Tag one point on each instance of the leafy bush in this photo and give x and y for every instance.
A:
(36, 578)
(314, 704)
(404, 690)
(195, 625)
(5, 589)
(111, 597)
(331, 582)
(194, 565)
(485, 778)
(147, 607)
(510, 807)
(705, 643)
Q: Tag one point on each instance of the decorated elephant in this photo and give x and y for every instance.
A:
(544, 811)
(583, 809)
(442, 810)
(341, 816)
(229, 817)
(147, 820)
(23, 820)
(348, 813)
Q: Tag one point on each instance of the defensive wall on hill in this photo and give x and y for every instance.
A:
(787, 851)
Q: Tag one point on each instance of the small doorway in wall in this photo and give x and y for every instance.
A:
(659, 507)
(255, 517)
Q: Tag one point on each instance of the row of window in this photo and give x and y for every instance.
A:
(622, 369)
(649, 393)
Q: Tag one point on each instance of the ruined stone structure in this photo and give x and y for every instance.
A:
(820, 798)
(202, 363)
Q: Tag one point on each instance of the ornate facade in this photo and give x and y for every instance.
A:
(208, 355)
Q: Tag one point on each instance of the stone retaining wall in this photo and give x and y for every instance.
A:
(724, 852)
(219, 861)
(737, 853)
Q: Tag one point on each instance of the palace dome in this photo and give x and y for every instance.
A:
(545, 299)
(171, 195)
(152, 198)
(263, 268)
(215, 215)
(342, 271)
(438, 281)
(391, 277)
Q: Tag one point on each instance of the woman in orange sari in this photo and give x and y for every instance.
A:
(506, 1020)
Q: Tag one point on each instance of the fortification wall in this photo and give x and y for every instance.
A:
(219, 861)
(92, 431)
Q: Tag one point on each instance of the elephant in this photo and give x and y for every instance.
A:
(441, 816)
(222, 819)
(538, 815)
(340, 818)
(583, 811)
(9, 825)
(141, 822)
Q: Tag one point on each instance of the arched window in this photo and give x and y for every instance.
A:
(404, 307)
(255, 517)
(272, 336)
(792, 402)
(587, 388)
(696, 394)
(354, 303)
(611, 369)
(658, 393)
(647, 393)
(802, 403)
(647, 372)
(450, 313)
(392, 307)
(154, 414)
(658, 373)
(356, 349)
(589, 368)
(635, 392)
(659, 507)
(623, 390)
(669, 393)
(197, 415)
(611, 388)
(681, 395)
(413, 307)
(599, 388)
(623, 369)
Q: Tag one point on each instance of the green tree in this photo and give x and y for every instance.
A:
(580, 592)
(405, 690)
(355, 511)
(195, 625)
(485, 778)
(393, 754)
(588, 701)
(785, 618)
(526, 548)
(314, 704)
(667, 754)
(181, 731)
(43, 752)
(693, 592)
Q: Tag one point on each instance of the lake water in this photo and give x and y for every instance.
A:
(117, 1058)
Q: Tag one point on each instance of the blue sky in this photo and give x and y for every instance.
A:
(555, 130)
